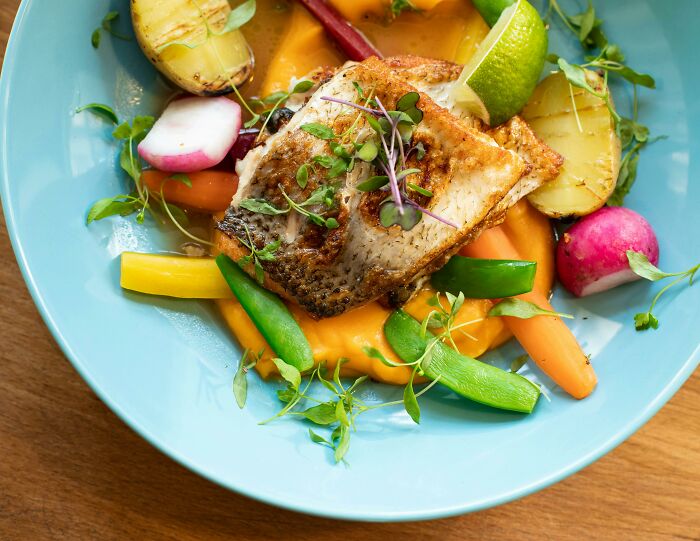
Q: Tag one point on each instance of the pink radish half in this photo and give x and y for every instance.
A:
(192, 134)
(591, 255)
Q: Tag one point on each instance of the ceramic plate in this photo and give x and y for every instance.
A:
(166, 366)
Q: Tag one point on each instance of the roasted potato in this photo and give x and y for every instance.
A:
(592, 153)
(197, 61)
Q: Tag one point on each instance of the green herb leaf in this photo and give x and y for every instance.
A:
(303, 175)
(340, 413)
(319, 130)
(374, 353)
(514, 307)
(240, 383)
(398, 6)
(641, 266)
(389, 215)
(288, 372)
(122, 205)
(373, 183)
(183, 178)
(518, 363)
(636, 78)
(318, 439)
(96, 38)
(260, 206)
(252, 122)
(645, 321)
(343, 443)
(408, 101)
(322, 414)
(239, 16)
(420, 190)
(287, 395)
(101, 110)
(410, 402)
(368, 152)
(302, 87)
(576, 75)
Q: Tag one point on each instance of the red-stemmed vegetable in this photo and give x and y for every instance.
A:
(353, 43)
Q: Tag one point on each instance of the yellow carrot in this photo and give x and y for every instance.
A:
(173, 276)
(547, 340)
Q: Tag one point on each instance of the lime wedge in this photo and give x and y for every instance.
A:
(499, 79)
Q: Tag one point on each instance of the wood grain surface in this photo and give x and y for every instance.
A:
(70, 469)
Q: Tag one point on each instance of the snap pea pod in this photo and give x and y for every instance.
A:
(270, 315)
(467, 377)
(485, 278)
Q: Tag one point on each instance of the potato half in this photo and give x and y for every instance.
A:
(216, 61)
(592, 153)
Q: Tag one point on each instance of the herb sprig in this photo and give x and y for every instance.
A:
(140, 199)
(641, 266)
(399, 6)
(106, 25)
(267, 253)
(339, 412)
(610, 60)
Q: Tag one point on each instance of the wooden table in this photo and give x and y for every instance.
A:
(70, 469)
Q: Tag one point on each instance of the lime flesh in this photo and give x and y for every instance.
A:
(499, 79)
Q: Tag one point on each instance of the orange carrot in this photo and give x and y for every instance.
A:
(547, 340)
(211, 190)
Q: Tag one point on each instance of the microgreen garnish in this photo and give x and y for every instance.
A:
(641, 266)
(106, 25)
(240, 381)
(337, 414)
(521, 309)
(101, 110)
(267, 253)
(399, 6)
(611, 61)
(276, 100)
(323, 195)
(140, 200)
(388, 156)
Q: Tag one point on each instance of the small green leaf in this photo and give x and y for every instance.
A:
(332, 223)
(343, 443)
(340, 413)
(552, 58)
(374, 353)
(303, 175)
(518, 363)
(183, 178)
(641, 266)
(410, 403)
(287, 395)
(252, 122)
(319, 130)
(513, 307)
(302, 87)
(96, 38)
(275, 97)
(398, 6)
(389, 215)
(122, 132)
(101, 110)
(260, 206)
(576, 75)
(408, 101)
(239, 16)
(368, 152)
(122, 205)
(375, 124)
(586, 23)
(420, 190)
(288, 373)
(318, 439)
(340, 166)
(645, 321)
(321, 414)
(373, 183)
(240, 382)
(141, 126)
(637, 78)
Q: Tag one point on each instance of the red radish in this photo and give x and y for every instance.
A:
(591, 255)
(192, 134)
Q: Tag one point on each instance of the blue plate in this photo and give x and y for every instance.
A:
(166, 366)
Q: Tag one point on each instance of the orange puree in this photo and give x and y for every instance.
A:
(288, 42)
(346, 335)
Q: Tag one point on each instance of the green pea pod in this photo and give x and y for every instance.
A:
(467, 377)
(270, 315)
(485, 278)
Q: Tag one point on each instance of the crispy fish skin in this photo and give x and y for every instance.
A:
(331, 271)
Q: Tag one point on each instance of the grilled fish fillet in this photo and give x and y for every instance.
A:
(328, 272)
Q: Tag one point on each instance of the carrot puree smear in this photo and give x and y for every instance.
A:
(346, 335)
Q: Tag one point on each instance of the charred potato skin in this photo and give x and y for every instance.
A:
(184, 67)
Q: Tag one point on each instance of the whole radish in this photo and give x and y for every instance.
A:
(192, 134)
(591, 255)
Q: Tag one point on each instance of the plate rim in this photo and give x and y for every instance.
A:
(634, 424)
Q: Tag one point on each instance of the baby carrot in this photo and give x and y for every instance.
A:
(211, 191)
(547, 340)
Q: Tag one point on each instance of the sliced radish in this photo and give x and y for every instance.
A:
(592, 254)
(192, 134)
